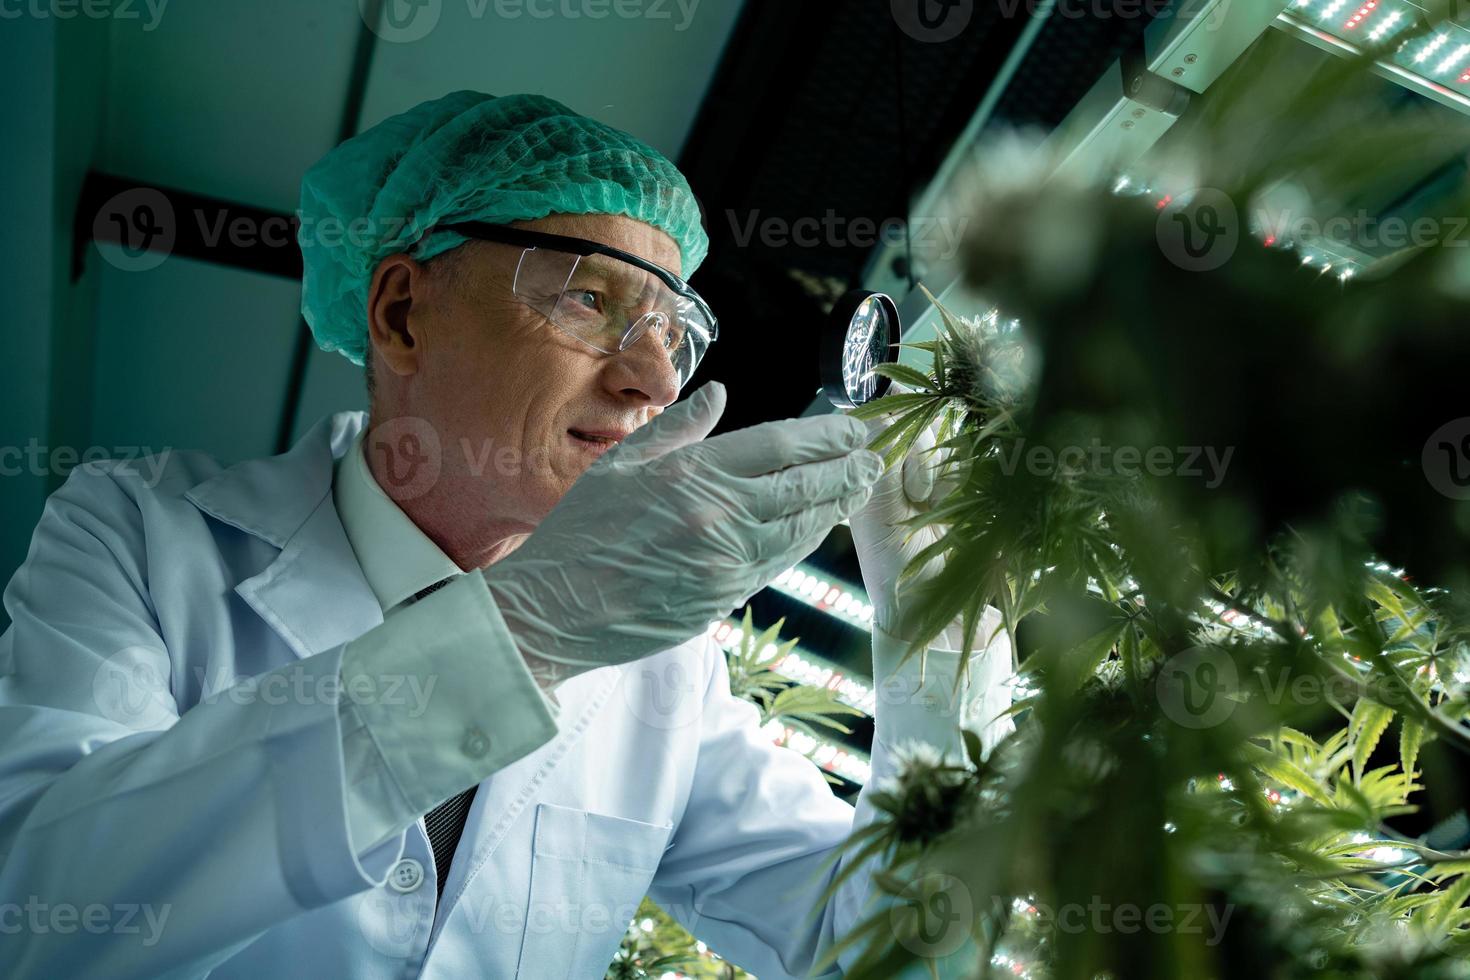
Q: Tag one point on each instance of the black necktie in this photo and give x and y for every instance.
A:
(445, 823)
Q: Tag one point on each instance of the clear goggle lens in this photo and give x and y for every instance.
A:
(610, 304)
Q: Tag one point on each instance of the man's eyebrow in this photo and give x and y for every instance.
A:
(611, 268)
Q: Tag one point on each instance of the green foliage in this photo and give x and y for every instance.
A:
(655, 944)
(1164, 760)
(1230, 679)
(799, 706)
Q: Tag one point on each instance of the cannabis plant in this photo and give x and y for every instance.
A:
(1221, 512)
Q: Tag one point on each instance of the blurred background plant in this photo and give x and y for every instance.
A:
(655, 946)
(1217, 507)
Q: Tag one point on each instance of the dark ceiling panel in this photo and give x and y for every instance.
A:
(802, 123)
(1069, 55)
(830, 113)
(831, 109)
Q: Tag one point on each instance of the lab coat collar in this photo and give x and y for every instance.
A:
(313, 594)
(397, 558)
(272, 497)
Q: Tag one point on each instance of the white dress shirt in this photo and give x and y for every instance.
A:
(394, 773)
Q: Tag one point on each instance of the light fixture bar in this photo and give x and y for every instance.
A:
(825, 594)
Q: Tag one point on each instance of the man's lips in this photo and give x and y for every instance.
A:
(608, 435)
(594, 441)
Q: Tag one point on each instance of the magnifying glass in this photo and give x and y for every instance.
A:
(863, 330)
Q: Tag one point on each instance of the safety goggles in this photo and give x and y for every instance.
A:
(603, 296)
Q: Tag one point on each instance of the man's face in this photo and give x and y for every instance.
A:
(504, 388)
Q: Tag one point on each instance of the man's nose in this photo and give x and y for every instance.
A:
(644, 367)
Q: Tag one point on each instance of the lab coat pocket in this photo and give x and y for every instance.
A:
(588, 873)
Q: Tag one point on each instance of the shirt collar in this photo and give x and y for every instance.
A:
(397, 559)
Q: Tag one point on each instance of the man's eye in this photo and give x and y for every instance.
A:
(590, 298)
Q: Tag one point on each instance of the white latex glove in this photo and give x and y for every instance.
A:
(668, 531)
(884, 546)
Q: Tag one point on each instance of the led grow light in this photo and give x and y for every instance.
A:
(1433, 45)
(1393, 19)
(840, 759)
(1363, 13)
(1454, 58)
(1433, 64)
(838, 599)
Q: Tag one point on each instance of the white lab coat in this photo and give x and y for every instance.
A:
(203, 835)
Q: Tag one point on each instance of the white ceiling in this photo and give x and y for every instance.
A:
(233, 100)
(237, 100)
(646, 75)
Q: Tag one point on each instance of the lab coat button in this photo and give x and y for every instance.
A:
(476, 743)
(407, 875)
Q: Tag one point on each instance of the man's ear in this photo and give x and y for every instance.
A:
(398, 282)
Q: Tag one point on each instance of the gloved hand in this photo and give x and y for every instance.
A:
(885, 546)
(668, 531)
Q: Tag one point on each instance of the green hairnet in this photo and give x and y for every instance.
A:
(468, 156)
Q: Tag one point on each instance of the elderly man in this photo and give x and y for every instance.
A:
(432, 694)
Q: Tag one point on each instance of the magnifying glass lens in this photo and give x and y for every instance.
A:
(862, 332)
(867, 343)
